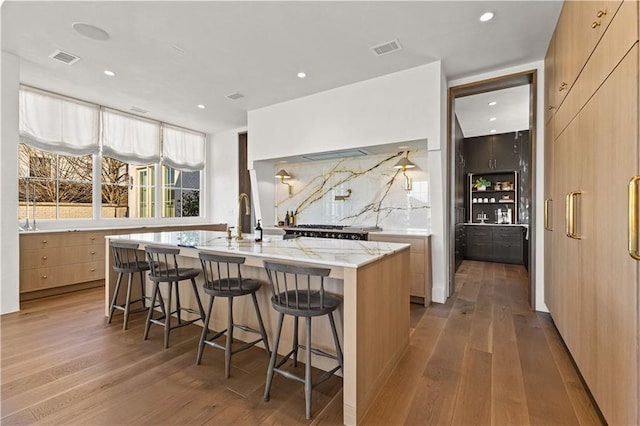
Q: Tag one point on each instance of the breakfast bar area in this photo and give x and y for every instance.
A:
(371, 278)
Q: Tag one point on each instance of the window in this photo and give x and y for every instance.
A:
(115, 188)
(180, 193)
(144, 187)
(55, 186)
(142, 163)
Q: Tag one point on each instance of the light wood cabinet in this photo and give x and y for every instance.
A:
(55, 262)
(591, 282)
(57, 259)
(580, 27)
(420, 263)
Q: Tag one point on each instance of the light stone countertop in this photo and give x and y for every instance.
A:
(321, 251)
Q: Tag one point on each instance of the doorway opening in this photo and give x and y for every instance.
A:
(491, 181)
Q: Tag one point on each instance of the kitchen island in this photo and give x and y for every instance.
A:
(372, 278)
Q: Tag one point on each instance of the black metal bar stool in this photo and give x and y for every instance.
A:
(299, 291)
(220, 280)
(164, 269)
(127, 261)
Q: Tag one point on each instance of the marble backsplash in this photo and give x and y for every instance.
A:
(357, 191)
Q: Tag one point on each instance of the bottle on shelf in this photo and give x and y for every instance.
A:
(286, 219)
(292, 219)
(258, 232)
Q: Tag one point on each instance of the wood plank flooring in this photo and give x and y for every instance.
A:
(483, 358)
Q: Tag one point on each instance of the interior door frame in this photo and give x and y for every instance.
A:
(483, 86)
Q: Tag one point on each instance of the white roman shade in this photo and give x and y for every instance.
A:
(58, 124)
(182, 149)
(130, 139)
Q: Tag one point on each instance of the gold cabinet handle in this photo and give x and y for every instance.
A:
(595, 24)
(44, 257)
(546, 214)
(550, 107)
(44, 277)
(563, 86)
(633, 218)
(93, 252)
(601, 13)
(571, 217)
(44, 241)
(92, 238)
(93, 269)
(567, 215)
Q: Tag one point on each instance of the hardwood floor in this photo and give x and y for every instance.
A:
(482, 358)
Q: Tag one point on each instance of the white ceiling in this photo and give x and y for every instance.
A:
(511, 112)
(170, 56)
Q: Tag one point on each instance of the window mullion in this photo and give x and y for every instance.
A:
(96, 185)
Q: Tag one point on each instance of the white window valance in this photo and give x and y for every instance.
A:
(182, 149)
(130, 139)
(57, 124)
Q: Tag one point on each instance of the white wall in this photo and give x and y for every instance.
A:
(393, 108)
(222, 176)
(398, 107)
(539, 164)
(9, 260)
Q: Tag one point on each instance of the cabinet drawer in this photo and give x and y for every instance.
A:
(61, 239)
(56, 276)
(417, 263)
(48, 257)
(417, 244)
(418, 285)
(616, 42)
(478, 234)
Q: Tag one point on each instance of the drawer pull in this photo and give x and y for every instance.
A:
(93, 252)
(595, 24)
(44, 257)
(44, 241)
(44, 277)
(93, 269)
(601, 13)
(563, 86)
(92, 238)
(550, 107)
(633, 218)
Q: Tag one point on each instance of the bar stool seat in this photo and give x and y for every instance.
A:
(127, 261)
(164, 269)
(299, 291)
(220, 280)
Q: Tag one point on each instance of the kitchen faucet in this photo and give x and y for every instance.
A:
(247, 211)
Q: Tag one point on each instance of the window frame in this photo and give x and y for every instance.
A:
(155, 212)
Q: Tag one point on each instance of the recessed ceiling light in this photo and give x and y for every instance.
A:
(492, 103)
(492, 119)
(201, 106)
(90, 31)
(487, 16)
(302, 75)
(109, 73)
(492, 130)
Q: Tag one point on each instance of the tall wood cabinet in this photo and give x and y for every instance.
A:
(591, 155)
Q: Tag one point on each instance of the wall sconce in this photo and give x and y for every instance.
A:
(282, 174)
(404, 163)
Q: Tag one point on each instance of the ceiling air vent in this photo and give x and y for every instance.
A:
(234, 96)
(65, 57)
(386, 48)
(138, 110)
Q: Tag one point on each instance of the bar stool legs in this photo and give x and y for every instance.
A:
(164, 319)
(126, 306)
(205, 339)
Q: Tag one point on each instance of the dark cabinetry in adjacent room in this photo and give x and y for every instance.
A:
(504, 244)
(495, 152)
